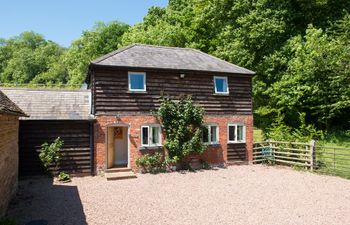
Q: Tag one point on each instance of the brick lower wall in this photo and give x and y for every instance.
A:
(216, 154)
(8, 160)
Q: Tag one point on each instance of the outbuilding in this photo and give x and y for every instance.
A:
(54, 113)
(9, 114)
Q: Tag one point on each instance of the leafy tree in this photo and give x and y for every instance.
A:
(30, 58)
(102, 39)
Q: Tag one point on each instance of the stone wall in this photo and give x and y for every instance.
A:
(216, 154)
(8, 160)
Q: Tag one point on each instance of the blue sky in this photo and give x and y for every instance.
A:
(64, 20)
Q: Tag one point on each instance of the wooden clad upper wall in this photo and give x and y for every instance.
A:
(111, 95)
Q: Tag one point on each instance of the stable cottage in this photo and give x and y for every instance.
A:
(127, 85)
(9, 114)
(107, 127)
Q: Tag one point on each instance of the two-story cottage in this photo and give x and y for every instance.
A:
(127, 86)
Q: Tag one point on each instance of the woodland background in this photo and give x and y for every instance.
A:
(299, 49)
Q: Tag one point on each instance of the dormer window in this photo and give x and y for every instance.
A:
(221, 85)
(137, 81)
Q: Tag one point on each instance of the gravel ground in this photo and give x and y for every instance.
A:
(236, 195)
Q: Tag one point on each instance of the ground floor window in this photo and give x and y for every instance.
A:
(236, 133)
(210, 134)
(151, 135)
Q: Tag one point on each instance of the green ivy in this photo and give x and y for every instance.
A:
(182, 121)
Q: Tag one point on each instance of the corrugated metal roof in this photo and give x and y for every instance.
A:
(52, 104)
(151, 56)
(8, 107)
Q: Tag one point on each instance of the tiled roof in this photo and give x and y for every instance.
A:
(150, 56)
(52, 104)
(8, 107)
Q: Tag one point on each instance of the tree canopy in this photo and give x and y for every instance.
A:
(299, 50)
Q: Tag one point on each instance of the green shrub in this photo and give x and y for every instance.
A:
(63, 176)
(304, 133)
(50, 154)
(153, 163)
(7, 221)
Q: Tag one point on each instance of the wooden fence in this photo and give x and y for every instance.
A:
(329, 160)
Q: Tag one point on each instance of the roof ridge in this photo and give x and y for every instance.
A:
(231, 64)
(162, 46)
(45, 89)
(112, 53)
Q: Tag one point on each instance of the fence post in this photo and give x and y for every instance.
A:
(312, 154)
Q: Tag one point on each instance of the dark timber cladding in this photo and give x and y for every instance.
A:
(76, 150)
(111, 95)
(236, 152)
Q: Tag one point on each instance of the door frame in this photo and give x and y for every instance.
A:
(123, 125)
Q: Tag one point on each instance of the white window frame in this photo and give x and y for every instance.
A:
(209, 125)
(144, 83)
(150, 135)
(227, 88)
(236, 131)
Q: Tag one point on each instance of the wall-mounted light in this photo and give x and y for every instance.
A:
(182, 75)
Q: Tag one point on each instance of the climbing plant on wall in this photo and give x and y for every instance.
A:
(182, 121)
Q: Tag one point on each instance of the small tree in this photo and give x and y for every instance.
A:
(183, 125)
(50, 154)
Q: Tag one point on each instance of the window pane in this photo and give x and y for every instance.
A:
(155, 136)
(205, 135)
(213, 137)
(231, 133)
(145, 135)
(221, 85)
(137, 81)
(239, 133)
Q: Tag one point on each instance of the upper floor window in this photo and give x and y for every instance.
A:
(137, 81)
(210, 134)
(221, 85)
(151, 135)
(236, 133)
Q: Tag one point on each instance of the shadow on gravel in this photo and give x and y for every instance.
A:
(41, 199)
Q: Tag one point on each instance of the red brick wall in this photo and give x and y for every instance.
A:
(215, 154)
(8, 159)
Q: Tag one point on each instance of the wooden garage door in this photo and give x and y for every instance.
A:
(76, 150)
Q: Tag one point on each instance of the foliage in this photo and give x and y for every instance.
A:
(152, 163)
(336, 138)
(7, 221)
(304, 133)
(50, 153)
(102, 39)
(182, 121)
(300, 51)
(29, 58)
(63, 176)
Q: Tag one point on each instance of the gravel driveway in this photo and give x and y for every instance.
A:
(236, 195)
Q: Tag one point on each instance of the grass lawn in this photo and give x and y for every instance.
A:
(333, 157)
